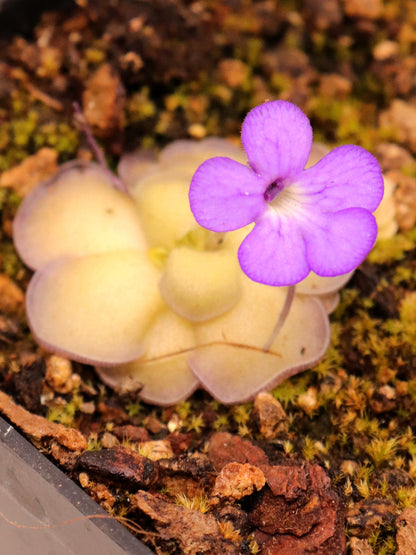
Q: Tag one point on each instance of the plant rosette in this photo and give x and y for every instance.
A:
(131, 284)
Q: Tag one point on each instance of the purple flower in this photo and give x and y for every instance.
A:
(317, 219)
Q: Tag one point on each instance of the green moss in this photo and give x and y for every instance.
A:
(140, 107)
(255, 46)
(221, 423)
(5, 131)
(60, 136)
(65, 414)
(287, 392)
(23, 129)
(280, 82)
(389, 250)
(195, 423)
(10, 262)
(94, 55)
(3, 196)
(241, 413)
(134, 408)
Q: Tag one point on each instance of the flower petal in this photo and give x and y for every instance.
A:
(341, 241)
(226, 195)
(347, 177)
(277, 138)
(274, 252)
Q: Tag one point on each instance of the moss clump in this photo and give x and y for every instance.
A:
(392, 249)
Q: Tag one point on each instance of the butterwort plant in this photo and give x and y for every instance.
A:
(126, 280)
(317, 219)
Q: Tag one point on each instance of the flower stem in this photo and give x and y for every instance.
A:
(95, 148)
(290, 295)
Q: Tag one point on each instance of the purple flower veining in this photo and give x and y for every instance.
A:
(317, 219)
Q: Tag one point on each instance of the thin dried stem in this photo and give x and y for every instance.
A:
(290, 295)
(95, 148)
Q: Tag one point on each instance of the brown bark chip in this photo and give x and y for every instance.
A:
(196, 465)
(195, 532)
(120, 466)
(40, 429)
(406, 532)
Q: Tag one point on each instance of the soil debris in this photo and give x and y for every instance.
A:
(59, 374)
(370, 9)
(9, 329)
(405, 199)
(28, 383)
(194, 532)
(12, 297)
(367, 515)
(128, 432)
(393, 157)
(99, 492)
(103, 102)
(30, 172)
(360, 547)
(402, 117)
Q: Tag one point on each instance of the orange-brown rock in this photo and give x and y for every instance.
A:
(406, 532)
(225, 448)
(270, 415)
(305, 518)
(237, 480)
